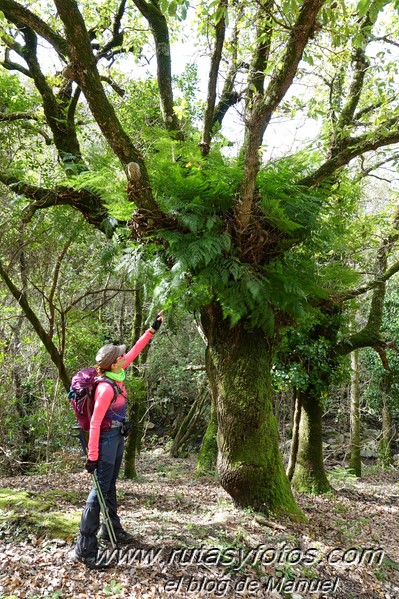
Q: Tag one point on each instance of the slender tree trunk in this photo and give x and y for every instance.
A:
(295, 434)
(207, 457)
(136, 410)
(309, 474)
(136, 404)
(189, 425)
(250, 466)
(386, 453)
(45, 338)
(355, 462)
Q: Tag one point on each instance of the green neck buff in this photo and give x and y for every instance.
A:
(116, 376)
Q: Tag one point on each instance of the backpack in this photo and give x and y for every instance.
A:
(81, 394)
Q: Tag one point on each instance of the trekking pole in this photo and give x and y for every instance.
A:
(104, 509)
(103, 506)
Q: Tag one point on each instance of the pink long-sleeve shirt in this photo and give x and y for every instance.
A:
(104, 395)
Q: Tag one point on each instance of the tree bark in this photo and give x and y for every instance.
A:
(263, 105)
(250, 466)
(355, 462)
(386, 453)
(216, 57)
(309, 474)
(159, 27)
(295, 435)
(85, 73)
(136, 404)
(208, 453)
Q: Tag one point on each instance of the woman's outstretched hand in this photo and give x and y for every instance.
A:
(157, 321)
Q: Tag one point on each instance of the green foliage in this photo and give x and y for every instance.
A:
(188, 107)
(306, 358)
(108, 183)
(14, 95)
(60, 257)
(198, 193)
(140, 112)
(287, 206)
(172, 387)
(175, 8)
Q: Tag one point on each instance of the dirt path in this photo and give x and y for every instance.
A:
(191, 541)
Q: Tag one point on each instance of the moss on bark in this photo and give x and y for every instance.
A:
(309, 474)
(250, 465)
(355, 462)
(207, 457)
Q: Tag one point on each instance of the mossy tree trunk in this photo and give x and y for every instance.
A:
(250, 466)
(386, 453)
(309, 473)
(207, 457)
(136, 410)
(296, 418)
(137, 401)
(355, 462)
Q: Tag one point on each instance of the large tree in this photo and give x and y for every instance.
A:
(231, 230)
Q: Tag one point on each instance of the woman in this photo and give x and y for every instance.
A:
(106, 444)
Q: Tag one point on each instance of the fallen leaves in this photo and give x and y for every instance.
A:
(192, 542)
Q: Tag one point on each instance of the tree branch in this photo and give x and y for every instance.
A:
(386, 134)
(220, 31)
(263, 106)
(159, 28)
(370, 335)
(264, 32)
(18, 14)
(89, 204)
(45, 338)
(83, 66)
(63, 130)
(17, 116)
(121, 92)
(117, 33)
(366, 171)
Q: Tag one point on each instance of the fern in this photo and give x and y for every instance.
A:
(108, 184)
(286, 205)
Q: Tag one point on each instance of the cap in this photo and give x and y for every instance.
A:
(108, 354)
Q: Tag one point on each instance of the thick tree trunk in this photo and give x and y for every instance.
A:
(250, 465)
(355, 462)
(309, 474)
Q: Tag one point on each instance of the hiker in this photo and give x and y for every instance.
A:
(108, 428)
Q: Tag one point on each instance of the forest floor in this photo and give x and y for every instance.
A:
(191, 542)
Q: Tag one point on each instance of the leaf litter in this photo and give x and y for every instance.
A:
(190, 541)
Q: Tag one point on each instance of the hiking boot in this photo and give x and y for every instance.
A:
(93, 563)
(122, 537)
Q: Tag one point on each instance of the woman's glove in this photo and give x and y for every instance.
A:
(91, 465)
(157, 322)
(126, 428)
